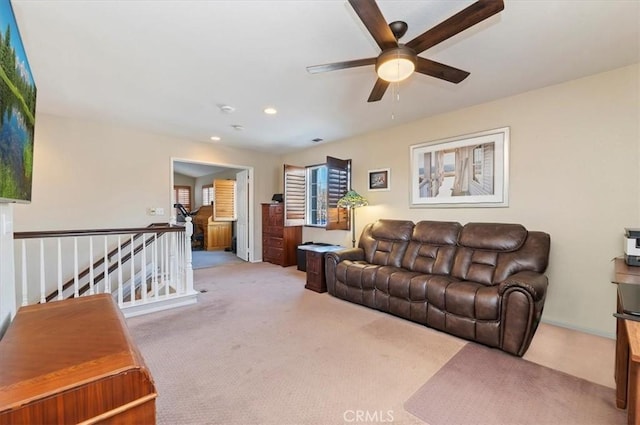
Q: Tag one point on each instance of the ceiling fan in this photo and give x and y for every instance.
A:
(398, 61)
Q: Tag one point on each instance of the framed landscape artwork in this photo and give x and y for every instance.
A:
(17, 109)
(379, 179)
(464, 171)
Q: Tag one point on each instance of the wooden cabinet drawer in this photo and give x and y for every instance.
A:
(273, 230)
(272, 254)
(273, 242)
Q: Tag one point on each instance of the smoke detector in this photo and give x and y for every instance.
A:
(226, 109)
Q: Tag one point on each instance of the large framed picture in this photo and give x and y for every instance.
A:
(463, 171)
(379, 179)
(18, 109)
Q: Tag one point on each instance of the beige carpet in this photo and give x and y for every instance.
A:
(505, 390)
(206, 259)
(258, 348)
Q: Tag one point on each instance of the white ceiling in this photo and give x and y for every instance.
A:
(166, 66)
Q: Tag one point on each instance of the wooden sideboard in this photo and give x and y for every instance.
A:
(73, 361)
(279, 243)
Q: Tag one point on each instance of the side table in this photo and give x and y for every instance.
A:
(627, 366)
(315, 265)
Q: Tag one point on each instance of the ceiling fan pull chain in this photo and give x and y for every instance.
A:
(393, 101)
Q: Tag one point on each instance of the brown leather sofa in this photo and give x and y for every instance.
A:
(482, 281)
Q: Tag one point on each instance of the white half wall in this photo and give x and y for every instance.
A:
(8, 302)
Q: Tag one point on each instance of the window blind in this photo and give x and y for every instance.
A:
(294, 195)
(224, 203)
(339, 176)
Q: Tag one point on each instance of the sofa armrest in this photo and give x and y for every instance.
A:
(333, 258)
(532, 282)
(353, 254)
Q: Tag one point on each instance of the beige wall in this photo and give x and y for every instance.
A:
(7, 272)
(573, 173)
(91, 175)
(575, 156)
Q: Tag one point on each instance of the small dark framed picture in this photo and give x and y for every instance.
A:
(380, 179)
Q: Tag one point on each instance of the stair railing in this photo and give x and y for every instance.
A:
(138, 266)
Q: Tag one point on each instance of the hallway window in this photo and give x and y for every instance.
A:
(182, 195)
(207, 194)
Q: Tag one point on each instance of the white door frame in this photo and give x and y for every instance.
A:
(250, 204)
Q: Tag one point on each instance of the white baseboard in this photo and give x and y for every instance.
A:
(160, 305)
(610, 335)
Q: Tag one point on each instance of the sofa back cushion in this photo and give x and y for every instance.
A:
(432, 247)
(489, 253)
(385, 241)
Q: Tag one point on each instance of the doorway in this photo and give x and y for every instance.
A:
(198, 177)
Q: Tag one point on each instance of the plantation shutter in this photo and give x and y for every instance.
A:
(339, 176)
(224, 200)
(294, 195)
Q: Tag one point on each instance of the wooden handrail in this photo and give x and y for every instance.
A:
(158, 227)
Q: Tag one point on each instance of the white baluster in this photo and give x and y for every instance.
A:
(60, 296)
(167, 278)
(76, 286)
(25, 296)
(154, 276)
(120, 301)
(143, 269)
(107, 284)
(187, 249)
(132, 269)
(91, 265)
(162, 262)
(180, 262)
(43, 298)
(172, 261)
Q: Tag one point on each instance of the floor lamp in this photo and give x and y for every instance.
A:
(352, 200)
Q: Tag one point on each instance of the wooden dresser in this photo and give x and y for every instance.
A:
(279, 243)
(73, 361)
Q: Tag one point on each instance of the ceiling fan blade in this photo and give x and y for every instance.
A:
(477, 12)
(315, 69)
(378, 90)
(377, 26)
(440, 70)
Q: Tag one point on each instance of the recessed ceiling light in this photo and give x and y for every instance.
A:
(216, 138)
(270, 111)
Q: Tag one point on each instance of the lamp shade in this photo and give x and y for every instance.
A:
(352, 200)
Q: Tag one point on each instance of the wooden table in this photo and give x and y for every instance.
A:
(627, 369)
(73, 361)
(315, 265)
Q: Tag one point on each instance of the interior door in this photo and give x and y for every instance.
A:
(242, 224)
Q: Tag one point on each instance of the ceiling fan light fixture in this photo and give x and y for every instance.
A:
(396, 64)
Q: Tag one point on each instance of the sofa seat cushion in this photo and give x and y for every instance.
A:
(466, 299)
(359, 274)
